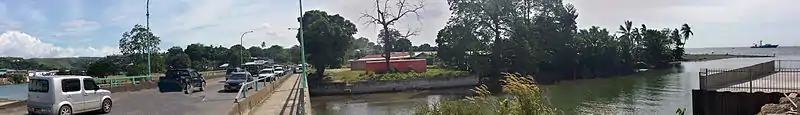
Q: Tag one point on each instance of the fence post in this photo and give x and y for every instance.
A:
(702, 79)
(750, 75)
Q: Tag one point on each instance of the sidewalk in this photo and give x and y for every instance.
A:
(282, 101)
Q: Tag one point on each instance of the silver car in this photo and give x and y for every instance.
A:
(66, 95)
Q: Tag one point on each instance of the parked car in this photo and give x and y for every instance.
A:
(268, 73)
(279, 71)
(298, 69)
(185, 80)
(235, 81)
(66, 95)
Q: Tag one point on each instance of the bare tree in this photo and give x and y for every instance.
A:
(387, 15)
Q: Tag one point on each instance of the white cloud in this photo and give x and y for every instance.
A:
(19, 44)
(732, 20)
(77, 27)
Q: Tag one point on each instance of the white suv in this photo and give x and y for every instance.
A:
(279, 70)
(65, 95)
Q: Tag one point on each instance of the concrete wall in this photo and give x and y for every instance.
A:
(730, 103)
(394, 85)
(358, 65)
(243, 106)
(719, 79)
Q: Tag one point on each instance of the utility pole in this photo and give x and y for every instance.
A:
(303, 58)
(150, 49)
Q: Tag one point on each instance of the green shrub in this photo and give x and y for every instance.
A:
(17, 78)
(526, 100)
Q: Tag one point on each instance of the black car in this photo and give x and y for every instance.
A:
(232, 70)
(235, 81)
(185, 80)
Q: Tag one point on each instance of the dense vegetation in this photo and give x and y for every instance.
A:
(541, 38)
(139, 41)
(23, 64)
(527, 100)
(327, 38)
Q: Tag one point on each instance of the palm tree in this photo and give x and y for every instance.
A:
(686, 31)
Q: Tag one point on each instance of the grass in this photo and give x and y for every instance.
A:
(5, 100)
(359, 75)
(526, 100)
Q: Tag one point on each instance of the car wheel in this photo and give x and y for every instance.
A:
(106, 107)
(188, 89)
(65, 110)
(203, 87)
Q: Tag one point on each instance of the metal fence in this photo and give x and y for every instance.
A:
(117, 81)
(771, 76)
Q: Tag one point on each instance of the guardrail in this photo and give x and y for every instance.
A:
(770, 76)
(243, 103)
(243, 92)
(301, 98)
(114, 82)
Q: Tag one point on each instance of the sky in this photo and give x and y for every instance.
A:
(71, 28)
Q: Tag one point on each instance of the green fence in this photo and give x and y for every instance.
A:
(117, 81)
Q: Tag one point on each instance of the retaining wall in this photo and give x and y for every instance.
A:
(394, 85)
(730, 103)
(719, 79)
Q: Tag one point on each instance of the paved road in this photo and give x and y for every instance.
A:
(153, 102)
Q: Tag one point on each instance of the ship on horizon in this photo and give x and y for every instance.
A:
(760, 45)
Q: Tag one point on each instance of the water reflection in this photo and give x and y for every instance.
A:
(403, 103)
(651, 92)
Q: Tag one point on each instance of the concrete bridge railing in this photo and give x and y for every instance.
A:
(242, 104)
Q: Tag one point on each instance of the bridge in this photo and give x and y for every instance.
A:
(144, 98)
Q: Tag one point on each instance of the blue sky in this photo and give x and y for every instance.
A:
(68, 28)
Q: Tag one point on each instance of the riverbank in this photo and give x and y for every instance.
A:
(383, 86)
(708, 57)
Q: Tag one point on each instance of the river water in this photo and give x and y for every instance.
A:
(652, 92)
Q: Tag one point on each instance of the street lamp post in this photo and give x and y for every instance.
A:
(147, 7)
(241, 42)
(302, 58)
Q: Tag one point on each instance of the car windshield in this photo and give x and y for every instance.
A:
(178, 73)
(38, 85)
(238, 76)
(266, 71)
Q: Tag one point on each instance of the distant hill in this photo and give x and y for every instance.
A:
(66, 63)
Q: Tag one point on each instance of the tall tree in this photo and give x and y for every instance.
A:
(402, 45)
(237, 55)
(102, 68)
(137, 44)
(256, 52)
(686, 31)
(425, 47)
(139, 40)
(295, 54)
(492, 19)
(327, 37)
(176, 58)
(276, 53)
(388, 15)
